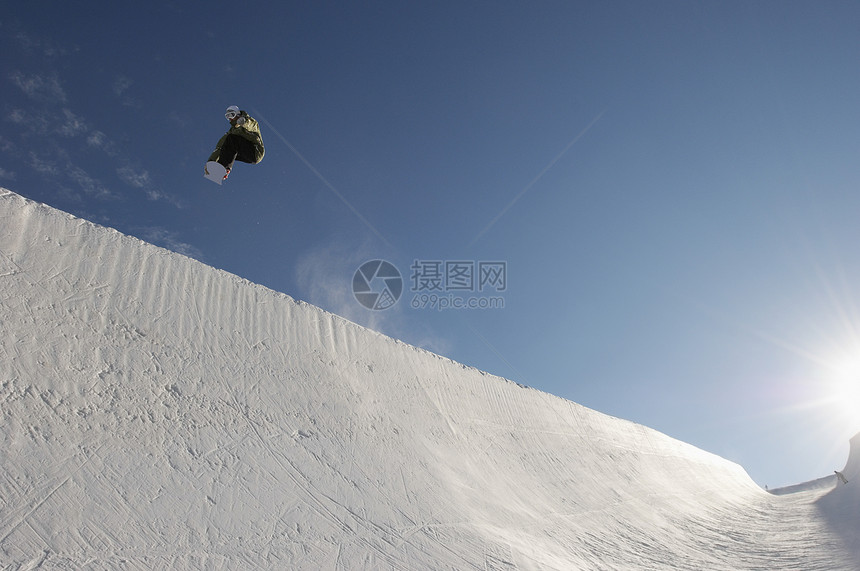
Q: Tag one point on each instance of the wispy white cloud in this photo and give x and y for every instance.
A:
(72, 125)
(120, 88)
(17, 116)
(39, 45)
(135, 178)
(7, 174)
(41, 124)
(170, 240)
(33, 123)
(140, 178)
(51, 137)
(44, 88)
(57, 165)
(121, 85)
(43, 166)
(88, 184)
(97, 139)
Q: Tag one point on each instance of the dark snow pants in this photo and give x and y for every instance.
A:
(236, 148)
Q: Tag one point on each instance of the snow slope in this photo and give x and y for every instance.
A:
(160, 414)
(841, 506)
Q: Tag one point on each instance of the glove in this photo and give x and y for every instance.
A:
(240, 121)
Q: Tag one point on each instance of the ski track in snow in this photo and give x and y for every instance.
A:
(161, 414)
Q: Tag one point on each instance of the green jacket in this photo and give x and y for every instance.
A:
(248, 130)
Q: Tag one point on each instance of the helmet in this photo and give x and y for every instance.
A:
(232, 112)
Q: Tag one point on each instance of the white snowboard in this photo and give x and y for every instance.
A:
(215, 172)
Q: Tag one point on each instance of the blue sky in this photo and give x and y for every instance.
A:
(673, 186)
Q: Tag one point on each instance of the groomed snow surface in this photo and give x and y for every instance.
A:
(160, 414)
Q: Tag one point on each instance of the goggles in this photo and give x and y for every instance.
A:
(231, 114)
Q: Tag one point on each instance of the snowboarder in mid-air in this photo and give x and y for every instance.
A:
(241, 143)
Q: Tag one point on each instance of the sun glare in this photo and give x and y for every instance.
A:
(843, 390)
